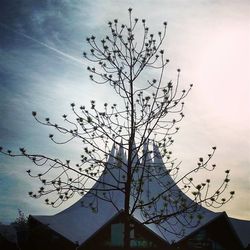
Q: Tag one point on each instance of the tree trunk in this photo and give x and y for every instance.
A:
(127, 232)
(127, 195)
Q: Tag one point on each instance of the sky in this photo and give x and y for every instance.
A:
(42, 69)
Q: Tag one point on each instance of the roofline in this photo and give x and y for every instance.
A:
(114, 217)
(234, 230)
(198, 228)
(222, 214)
(148, 229)
(99, 229)
(47, 226)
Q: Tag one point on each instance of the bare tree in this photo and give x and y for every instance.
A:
(141, 125)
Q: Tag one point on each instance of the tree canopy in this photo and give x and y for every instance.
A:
(140, 128)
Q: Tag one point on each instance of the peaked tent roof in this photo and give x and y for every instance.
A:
(78, 222)
(157, 185)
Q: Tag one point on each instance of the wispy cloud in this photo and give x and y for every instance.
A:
(44, 45)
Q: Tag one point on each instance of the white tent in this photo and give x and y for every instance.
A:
(79, 222)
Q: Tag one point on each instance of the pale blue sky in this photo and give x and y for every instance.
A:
(41, 68)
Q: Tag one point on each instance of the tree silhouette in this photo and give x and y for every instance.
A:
(140, 128)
